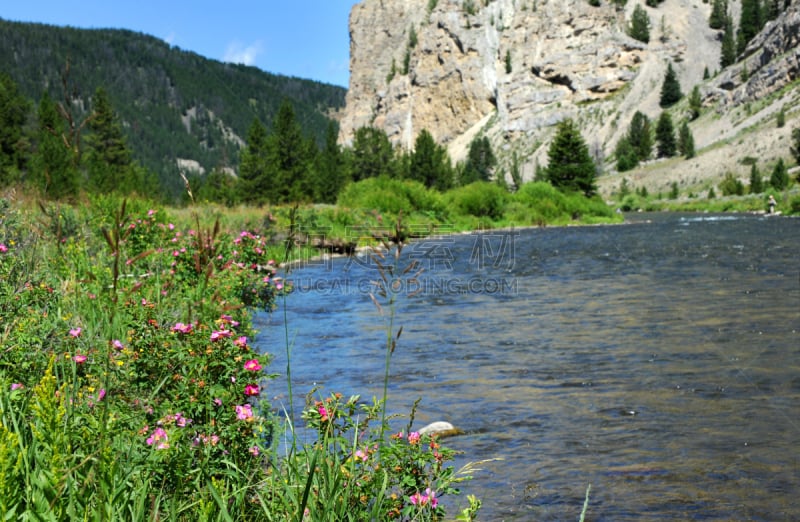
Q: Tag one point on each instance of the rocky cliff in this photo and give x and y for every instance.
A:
(511, 69)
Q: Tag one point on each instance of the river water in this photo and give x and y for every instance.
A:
(658, 361)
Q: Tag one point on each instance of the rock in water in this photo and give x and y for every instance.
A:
(440, 429)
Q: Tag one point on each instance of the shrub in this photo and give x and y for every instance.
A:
(480, 199)
(391, 196)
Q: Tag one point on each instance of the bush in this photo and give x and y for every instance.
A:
(391, 196)
(479, 199)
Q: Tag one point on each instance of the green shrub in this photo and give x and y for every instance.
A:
(480, 199)
(390, 196)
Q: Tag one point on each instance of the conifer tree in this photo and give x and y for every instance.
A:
(639, 28)
(728, 53)
(13, 115)
(430, 164)
(290, 158)
(480, 161)
(779, 180)
(640, 136)
(254, 185)
(756, 183)
(695, 102)
(53, 170)
(109, 161)
(751, 20)
(372, 154)
(570, 166)
(665, 136)
(686, 141)
(670, 89)
(330, 172)
(626, 155)
(719, 12)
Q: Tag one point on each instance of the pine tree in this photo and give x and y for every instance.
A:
(756, 183)
(430, 163)
(779, 180)
(795, 146)
(13, 115)
(695, 102)
(751, 20)
(290, 157)
(254, 185)
(570, 166)
(109, 162)
(639, 28)
(728, 53)
(330, 173)
(686, 141)
(640, 136)
(372, 154)
(626, 155)
(53, 170)
(670, 89)
(665, 136)
(719, 12)
(480, 161)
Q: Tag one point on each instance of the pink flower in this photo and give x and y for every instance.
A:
(252, 389)
(244, 412)
(17, 386)
(75, 332)
(432, 497)
(413, 437)
(182, 421)
(217, 401)
(241, 342)
(117, 344)
(3, 248)
(101, 394)
(322, 412)
(219, 334)
(80, 359)
(254, 451)
(182, 328)
(252, 365)
(158, 436)
(362, 455)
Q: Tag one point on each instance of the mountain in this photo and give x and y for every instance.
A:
(511, 69)
(179, 110)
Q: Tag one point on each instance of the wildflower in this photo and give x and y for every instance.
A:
(182, 328)
(80, 359)
(252, 389)
(413, 437)
(117, 344)
(362, 455)
(219, 334)
(432, 497)
(217, 401)
(3, 248)
(182, 421)
(241, 342)
(158, 436)
(322, 412)
(75, 332)
(244, 412)
(252, 365)
(101, 394)
(17, 386)
(254, 451)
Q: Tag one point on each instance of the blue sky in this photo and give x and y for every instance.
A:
(304, 38)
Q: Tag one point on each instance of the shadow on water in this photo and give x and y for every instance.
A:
(658, 361)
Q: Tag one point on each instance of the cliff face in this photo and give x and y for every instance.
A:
(511, 69)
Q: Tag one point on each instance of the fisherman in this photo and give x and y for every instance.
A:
(772, 203)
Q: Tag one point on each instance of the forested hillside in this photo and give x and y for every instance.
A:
(171, 104)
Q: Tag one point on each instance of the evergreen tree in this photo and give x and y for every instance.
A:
(331, 174)
(570, 166)
(290, 157)
(430, 164)
(751, 20)
(795, 146)
(372, 154)
(686, 141)
(254, 184)
(639, 28)
(53, 170)
(627, 157)
(695, 103)
(665, 136)
(719, 12)
(14, 110)
(670, 89)
(756, 183)
(640, 136)
(480, 161)
(109, 162)
(728, 53)
(779, 180)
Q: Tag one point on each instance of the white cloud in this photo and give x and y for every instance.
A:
(239, 53)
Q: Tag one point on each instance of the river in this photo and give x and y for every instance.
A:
(658, 361)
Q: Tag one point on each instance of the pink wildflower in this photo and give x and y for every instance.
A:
(253, 365)
(158, 436)
(362, 455)
(254, 451)
(75, 332)
(101, 394)
(413, 437)
(117, 344)
(80, 359)
(219, 334)
(322, 412)
(241, 342)
(182, 328)
(3, 248)
(217, 401)
(244, 412)
(17, 386)
(252, 389)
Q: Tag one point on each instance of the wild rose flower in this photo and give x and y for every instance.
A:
(117, 344)
(158, 436)
(252, 365)
(322, 412)
(244, 412)
(182, 328)
(217, 401)
(3, 248)
(17, 386)
(254, 451)
(413, 437)
(75, 332)
(361, 455)
(252, 389)
(80, 359)
(241, 342)
(219, 334)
